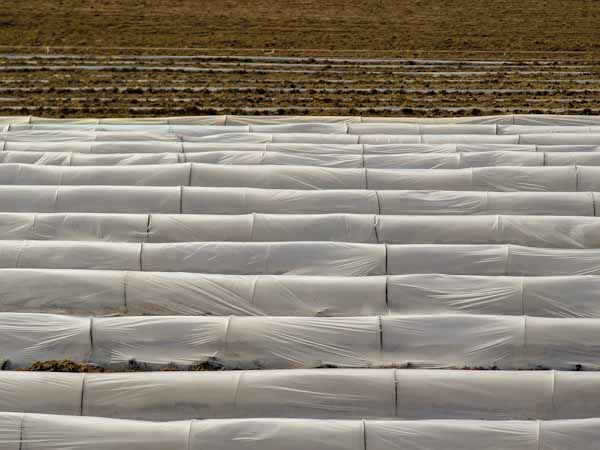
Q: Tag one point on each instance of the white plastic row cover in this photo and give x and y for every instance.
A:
(294, 258)
(503, 119)
(207, 200)
(104, 293)
(558, 179)
(534, 231)
(81, 149)
(20, 431)
(554, 179)
(300, 258)
(342, 161)
(410, 394)
(318, 128)
(208, 130)
(282, 342)
(231, 136)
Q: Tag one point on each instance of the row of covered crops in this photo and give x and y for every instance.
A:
(324, 283)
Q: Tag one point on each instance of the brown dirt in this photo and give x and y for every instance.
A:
(555, 57)
(388, 25)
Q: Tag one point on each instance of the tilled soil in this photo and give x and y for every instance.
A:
(75, 85)
(384, 57)
(389, 26)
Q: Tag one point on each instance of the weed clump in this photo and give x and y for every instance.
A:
(211, 364)
(62, 365)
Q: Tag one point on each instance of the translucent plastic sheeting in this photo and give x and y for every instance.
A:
(262, 228)
(87, 136)
(348, 161)
(560, 296)
(277, 177)
(560, 138)
(182, 120)
(210, 200)
(458, 139)
(381, 139)
(408, 161)
(82, 148)
(196, 130)
(510, 119)
(106, 199)
(500, 158)
(293, 258)
(191, 130)
(81, 292)
(152, 147)
(219, 136)
(277, 159)
(552, 119)
(538, 129)
(534, 231)
(461, 259)
(451, 435)
(561, 179)
(414, 128)
(311, 127)
(324, 393)
(280, 342)
(39, 431)
(398, 149)
(151, 293)
(59, 432)
(145, 175)
(243, 200)
(567, 148)
(96, 148)
(455, 160)
(103, 293)
(557, 179)
(84, 159)
(569, 158)
(5, 120)
(214, 135)
(274, 120)
(26, 338)
(75, 226)
(314, 127)
(588, 177)
(301, 258)
(214, 200)
(411, 394)
(356, 435)
(318, 148)
(451, 294)
(160, 147)
(539, 203)
(71, 255)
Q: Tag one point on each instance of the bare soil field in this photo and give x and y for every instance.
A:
(390, 25)
(422, 58)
